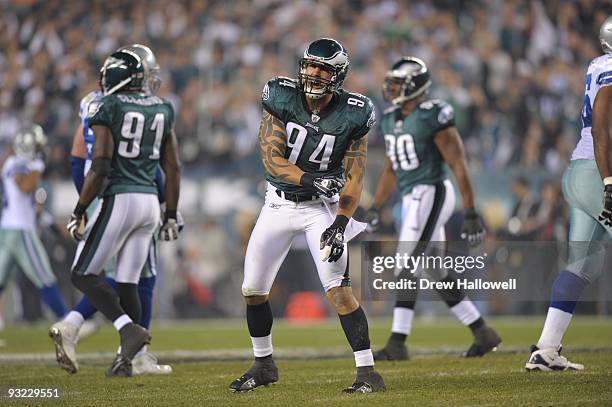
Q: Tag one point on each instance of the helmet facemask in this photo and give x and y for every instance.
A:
(315, 86)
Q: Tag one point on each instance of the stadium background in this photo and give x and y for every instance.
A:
(513, 71)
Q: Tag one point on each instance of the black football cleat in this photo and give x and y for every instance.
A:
(485, 341)
(133, 338)
(393, 350)
(372, 383)
(121, 367)
(262, 373)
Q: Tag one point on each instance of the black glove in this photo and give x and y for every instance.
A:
(170, 228)
(327, 186)
(76, 223)
(372, 218)
(473, 230)
(332, 240)
(606, 214)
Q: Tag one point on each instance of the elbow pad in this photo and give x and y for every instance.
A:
(101, 166)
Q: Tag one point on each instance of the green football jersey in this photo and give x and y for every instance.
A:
(316, 143)
(410, 143)
(139, 124)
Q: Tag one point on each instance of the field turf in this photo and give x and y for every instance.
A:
(435, 375)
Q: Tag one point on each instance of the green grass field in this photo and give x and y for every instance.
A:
(434, 376)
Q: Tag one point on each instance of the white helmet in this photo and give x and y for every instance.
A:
(30, 141)
(605, 36)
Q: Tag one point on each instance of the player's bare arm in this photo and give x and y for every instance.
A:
(386, 184)
(450, 146)
(171, 165)
(602, 131)
(28, 182)
(100, 164)
(78, 144)
(272, 146)
(355, 159)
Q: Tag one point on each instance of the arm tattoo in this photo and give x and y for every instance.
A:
(355, 159)
(272, 146)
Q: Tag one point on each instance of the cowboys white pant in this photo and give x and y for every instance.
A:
(425, 211)
(279, 222)
(122, 226)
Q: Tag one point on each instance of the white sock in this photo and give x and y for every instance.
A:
(262, 346)
(555, 326)
(402, 320)
(74, 318)
(466, 311)
(364, 358)
(122, 321)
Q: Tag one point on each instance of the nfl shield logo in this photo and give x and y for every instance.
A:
(315, 118)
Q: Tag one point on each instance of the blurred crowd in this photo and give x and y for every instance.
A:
(512, 69)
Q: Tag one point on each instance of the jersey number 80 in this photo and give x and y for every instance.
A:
(401, 152)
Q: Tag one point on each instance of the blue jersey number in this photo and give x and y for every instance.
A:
(587, 111)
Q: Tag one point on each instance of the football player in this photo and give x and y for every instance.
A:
(421, 141)
(66, 333)
(312, 133)
(588, 173)
(133, 132)
(19, 241)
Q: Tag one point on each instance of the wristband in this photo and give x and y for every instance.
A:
(79, 210)
(170, 214)
(607, 181)
(470, 213)
(341, 221)
(307, 180)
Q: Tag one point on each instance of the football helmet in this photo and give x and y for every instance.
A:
(152, 80)
(329, 55)
(122, 70)
(605, 36)
(407, 79)
(30, 142)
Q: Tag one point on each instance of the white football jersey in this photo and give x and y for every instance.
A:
(19, 208)
(599, 74)
(90, 99)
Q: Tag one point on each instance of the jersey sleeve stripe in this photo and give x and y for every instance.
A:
(604, 81)
(604, 77)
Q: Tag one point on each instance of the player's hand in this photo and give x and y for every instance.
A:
(606, 214)
(170, 228)
(332, 240)
(327, 186)
(473, 229)
(372, 218)
(76, 226)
